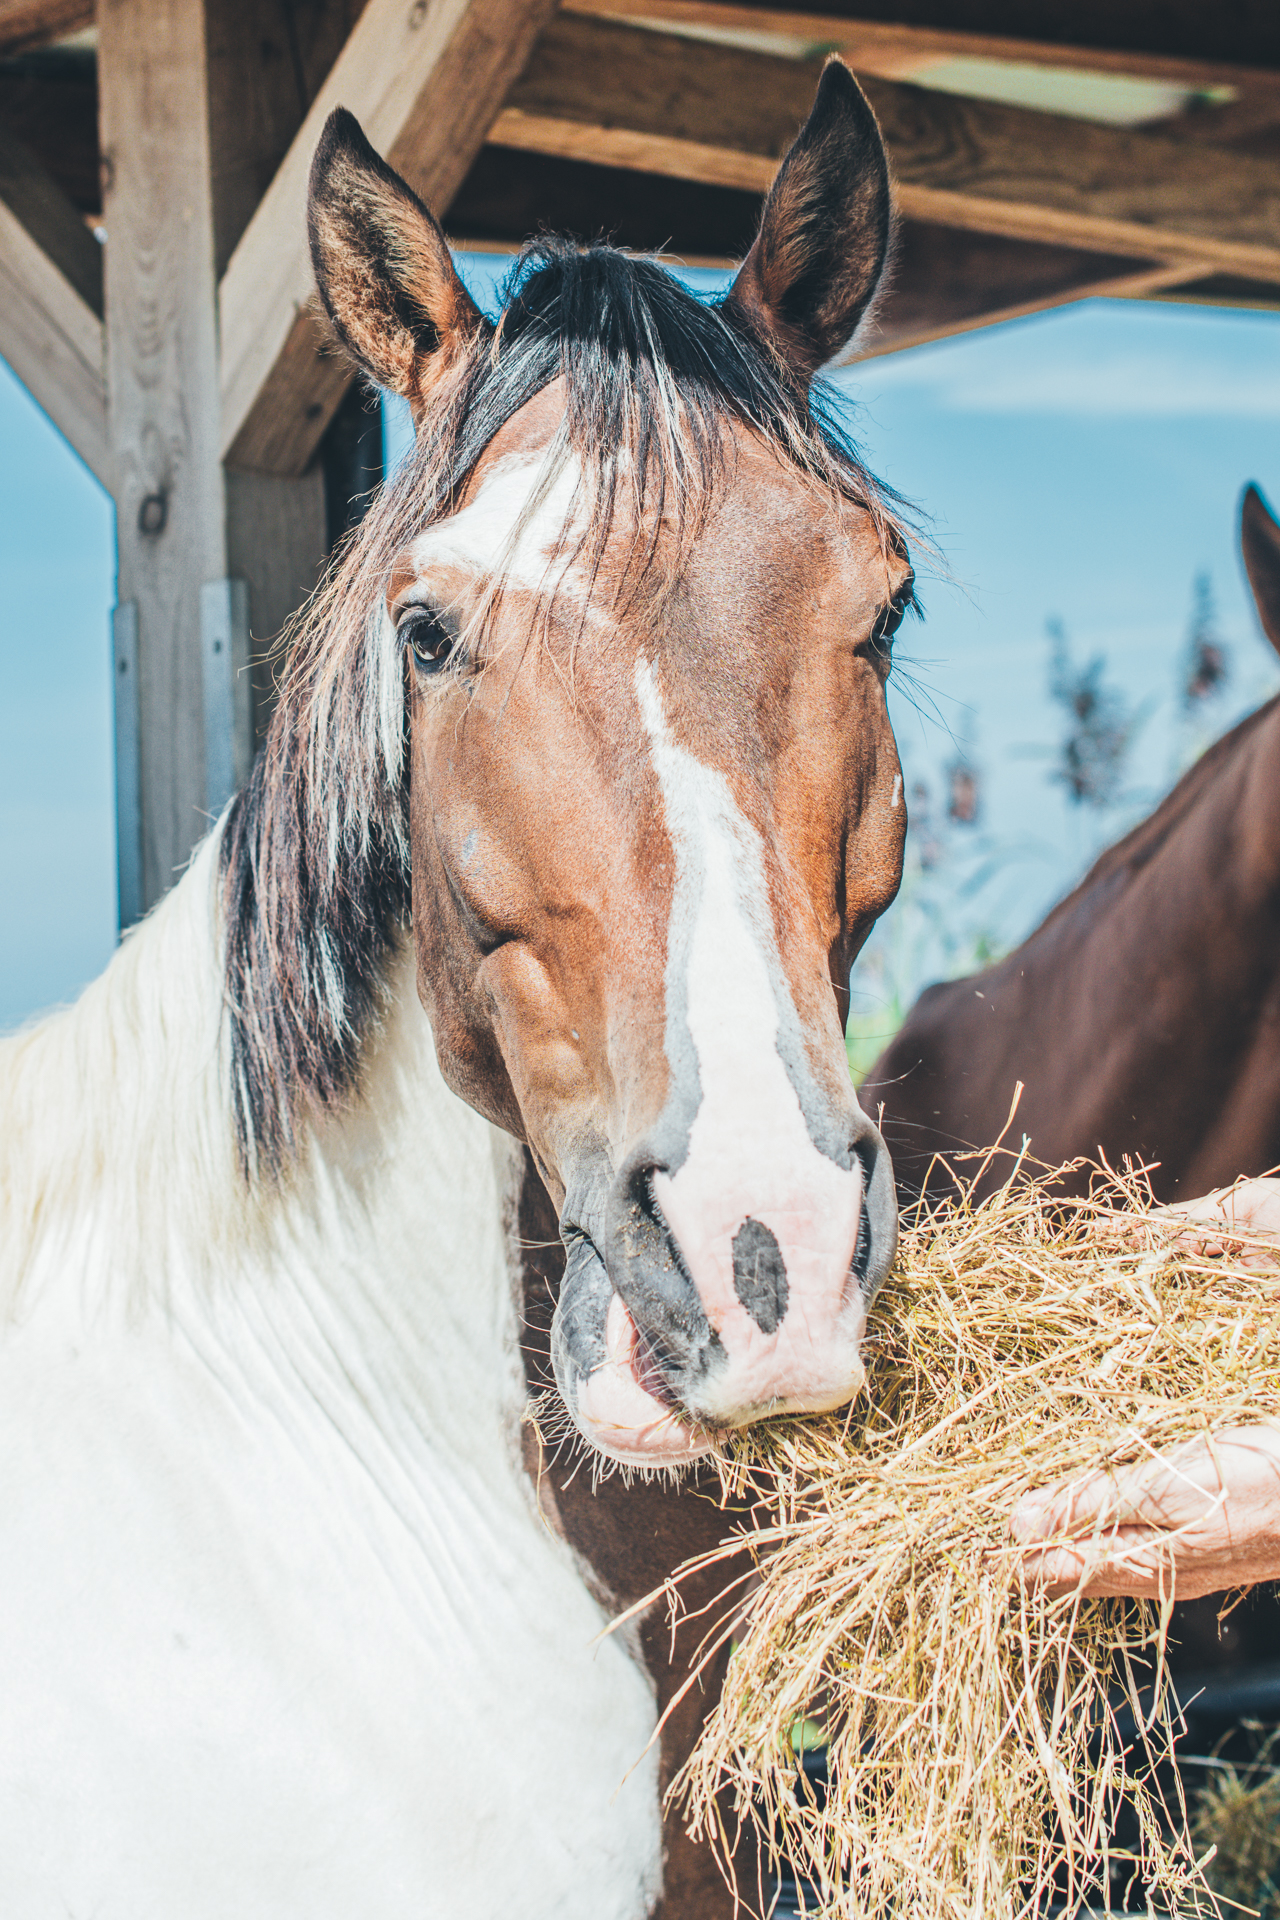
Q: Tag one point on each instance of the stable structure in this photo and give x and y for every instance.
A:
(155, 290)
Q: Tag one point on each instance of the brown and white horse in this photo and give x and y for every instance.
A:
(583, 749)
(1143, 1016)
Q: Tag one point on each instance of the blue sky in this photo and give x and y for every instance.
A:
(1083, 465)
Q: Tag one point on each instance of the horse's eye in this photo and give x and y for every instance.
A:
(887, 624)
(427, 635)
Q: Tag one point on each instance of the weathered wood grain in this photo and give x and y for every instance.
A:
(426, 82)
(199, 100)
(966, 163)
(52, 339)
(36, 199)
(162, 370)
(1246, 32)
(894, 50)
(641, 152)
(268, 59)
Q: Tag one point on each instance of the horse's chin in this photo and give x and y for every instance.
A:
(622, 1408)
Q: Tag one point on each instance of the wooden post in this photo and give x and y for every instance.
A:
(190, 104)
(203, 104)
(162, 401)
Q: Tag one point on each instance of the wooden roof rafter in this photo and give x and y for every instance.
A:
(1084, 207)
(626, 96)
(51, 303)
(894, 50)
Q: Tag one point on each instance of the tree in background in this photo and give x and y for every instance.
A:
(1094, 751)
(1207, 662)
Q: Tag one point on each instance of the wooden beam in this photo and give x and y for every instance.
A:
(37, 200)
(612, 146)
(1243, 33)
(505, 203)
(34, 23)
(267, 61)
(163, 416)
(199, 98)
(625, 97)
(52, 339)
(945, 280)
(893, 51)
(943, 315)
(426, 83)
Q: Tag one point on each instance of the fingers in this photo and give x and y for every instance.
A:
(1179, 1492)
(1242, 1221)
(1206, 1518)
(1138, 1564)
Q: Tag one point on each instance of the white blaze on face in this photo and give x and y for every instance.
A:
(750, 1154)
(511, 530)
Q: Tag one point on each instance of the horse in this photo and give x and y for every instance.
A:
(1143, 1016)
(490, 1046)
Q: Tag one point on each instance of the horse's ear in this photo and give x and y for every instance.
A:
(382, 266)
(824, 235)
(1260, 545)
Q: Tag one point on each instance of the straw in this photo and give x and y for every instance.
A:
(982, 1733)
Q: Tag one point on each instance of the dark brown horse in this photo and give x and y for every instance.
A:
(1143, 1016)
(493, 1040)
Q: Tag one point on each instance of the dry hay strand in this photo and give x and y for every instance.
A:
(981, 1732)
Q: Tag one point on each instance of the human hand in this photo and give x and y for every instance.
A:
(1250, 1208)
(1205, 1519)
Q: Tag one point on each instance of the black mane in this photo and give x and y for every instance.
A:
(315, 856)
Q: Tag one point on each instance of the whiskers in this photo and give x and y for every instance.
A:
(561, 1443)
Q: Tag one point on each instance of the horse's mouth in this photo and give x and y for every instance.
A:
(626, 1407)
(608, 1372)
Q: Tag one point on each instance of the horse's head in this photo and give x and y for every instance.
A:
(639, 601)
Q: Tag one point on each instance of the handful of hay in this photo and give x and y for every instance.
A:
(981, 1732)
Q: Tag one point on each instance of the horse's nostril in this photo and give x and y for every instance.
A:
(760, 1274)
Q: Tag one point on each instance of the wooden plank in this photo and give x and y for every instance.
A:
(939, 319)
(638, 152)
(33, 23)
(1241, 32)
(37, 200)
(506, 200)
(277, 543)
(426, 83)
(267, 61)
(592, 87)
(52, 339)
(893, 51)
(945, 280)
(1030, 219)
(162, 395)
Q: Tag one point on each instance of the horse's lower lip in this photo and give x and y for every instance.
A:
(625, 1406)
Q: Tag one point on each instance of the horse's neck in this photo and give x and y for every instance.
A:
(276, 1553)
(371, 1283)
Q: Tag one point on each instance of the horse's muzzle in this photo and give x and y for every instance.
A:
(661, 1342)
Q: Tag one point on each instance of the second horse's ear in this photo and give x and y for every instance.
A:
(820, 254)
(382, 266)
(1260, 547)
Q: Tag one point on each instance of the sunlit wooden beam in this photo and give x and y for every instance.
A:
(895, 52)
(426, 82)
(625, 97)
(51, 303)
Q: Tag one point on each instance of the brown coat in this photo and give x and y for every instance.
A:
(1143, 1016)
